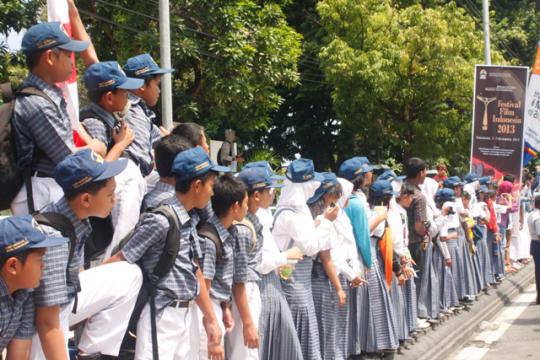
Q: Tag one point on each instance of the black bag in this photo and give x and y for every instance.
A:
(208, 231)
(100, 239)
(150, 281)
(11, 176)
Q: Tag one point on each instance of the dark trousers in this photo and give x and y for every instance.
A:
(535, 252)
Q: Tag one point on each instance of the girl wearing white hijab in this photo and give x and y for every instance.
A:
(294, 226)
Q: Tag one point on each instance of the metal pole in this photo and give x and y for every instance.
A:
(165, 48)
(487, 52)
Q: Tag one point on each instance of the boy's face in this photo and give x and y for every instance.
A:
(265, 198)
(204, 191)
(60, 62)
(27, 273)
(150, 91)
(240, 209)
(101, 203)
(117, 100)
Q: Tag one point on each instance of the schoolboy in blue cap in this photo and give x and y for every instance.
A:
(195, 175)
(165, 151)
(140, 117)
(22, 246)
(42, 126)
(243, 341)
(103, 118)
(66, 297)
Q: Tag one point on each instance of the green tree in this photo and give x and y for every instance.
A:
(403, 76)
(230, 56)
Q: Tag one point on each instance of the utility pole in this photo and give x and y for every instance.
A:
(165, 49)
(487, 51)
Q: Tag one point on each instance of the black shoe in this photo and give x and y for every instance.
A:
(80, 356)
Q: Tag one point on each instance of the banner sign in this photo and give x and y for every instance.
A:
(532, 113)
(498, 115)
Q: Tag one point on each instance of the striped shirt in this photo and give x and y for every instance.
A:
(42, 130)
(148, 243)
(58, 286)
(98, 128)
(219, 271)
(16, 315)
(247, 252)
(159, 193)
(139, 118)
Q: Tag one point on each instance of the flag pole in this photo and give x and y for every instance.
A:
(165, 50)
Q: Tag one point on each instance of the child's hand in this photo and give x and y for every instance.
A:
(251, 336)
(228, 320)
(294, 253)
(342, 297)
(124, 135)
(331, 213)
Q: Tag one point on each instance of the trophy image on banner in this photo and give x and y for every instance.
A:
(486, 102)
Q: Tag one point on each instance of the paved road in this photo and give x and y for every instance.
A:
(513, 334)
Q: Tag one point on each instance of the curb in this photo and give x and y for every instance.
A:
(445, 339)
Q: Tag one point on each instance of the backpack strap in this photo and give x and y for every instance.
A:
(247, 223)
(172, 244)
(279, 212)
(61, 223)
(7, 92)
(209, 231)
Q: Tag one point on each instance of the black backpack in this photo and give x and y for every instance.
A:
(150, 281)
(11, 176)
(207, 230)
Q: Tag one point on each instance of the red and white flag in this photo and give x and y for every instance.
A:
(57, 10)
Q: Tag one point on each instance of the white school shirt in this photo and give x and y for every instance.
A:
(272, 258)
(298, 229)
(396, 225)
(343, 252)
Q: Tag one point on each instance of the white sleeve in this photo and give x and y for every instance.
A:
(295, 229)
(272, 258)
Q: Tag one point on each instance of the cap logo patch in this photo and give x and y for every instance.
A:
(83, 181)
(16, 246)
(142, 71)
(259, 185)
(45, 43)
(106, 83)
(358, 171)
(307, 177)
(96, 157)
(202, 166)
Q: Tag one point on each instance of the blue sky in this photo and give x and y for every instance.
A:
(13, 40)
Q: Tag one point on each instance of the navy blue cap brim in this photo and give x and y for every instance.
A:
(75, 46)
(277, 177)
(220, 168)
(315, 197)
(49, 241)
(160, 71)
(112, 169)
(131, 84)
(401, 177)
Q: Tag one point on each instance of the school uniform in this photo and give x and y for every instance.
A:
(103, 296)
(161, 192)
(220, 272)
(42, 128)
(16, 315)
(277, 334)
(247, 259)
(174, 292)
(130, 185)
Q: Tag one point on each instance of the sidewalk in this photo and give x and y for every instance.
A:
(442, 341)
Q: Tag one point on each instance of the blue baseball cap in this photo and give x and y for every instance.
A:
(329, 180)
(381, 188)
(388, 175)
(143, 66)
(445, 194)
(257, 178)
(266, 165)
(452, 182)
(470, 177)
(302, 170)
(48, 35)
(108, 75)
(353, 167)
(484, 180)
(194, 162)
(483, 189)
(84, 167)
(21, 233)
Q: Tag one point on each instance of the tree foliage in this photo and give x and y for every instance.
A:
(403, 76)
(230, 56)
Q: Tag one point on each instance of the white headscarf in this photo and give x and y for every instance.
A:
(347, 188)
(295, 195)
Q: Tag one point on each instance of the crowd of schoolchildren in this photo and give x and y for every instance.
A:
(198, 266)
